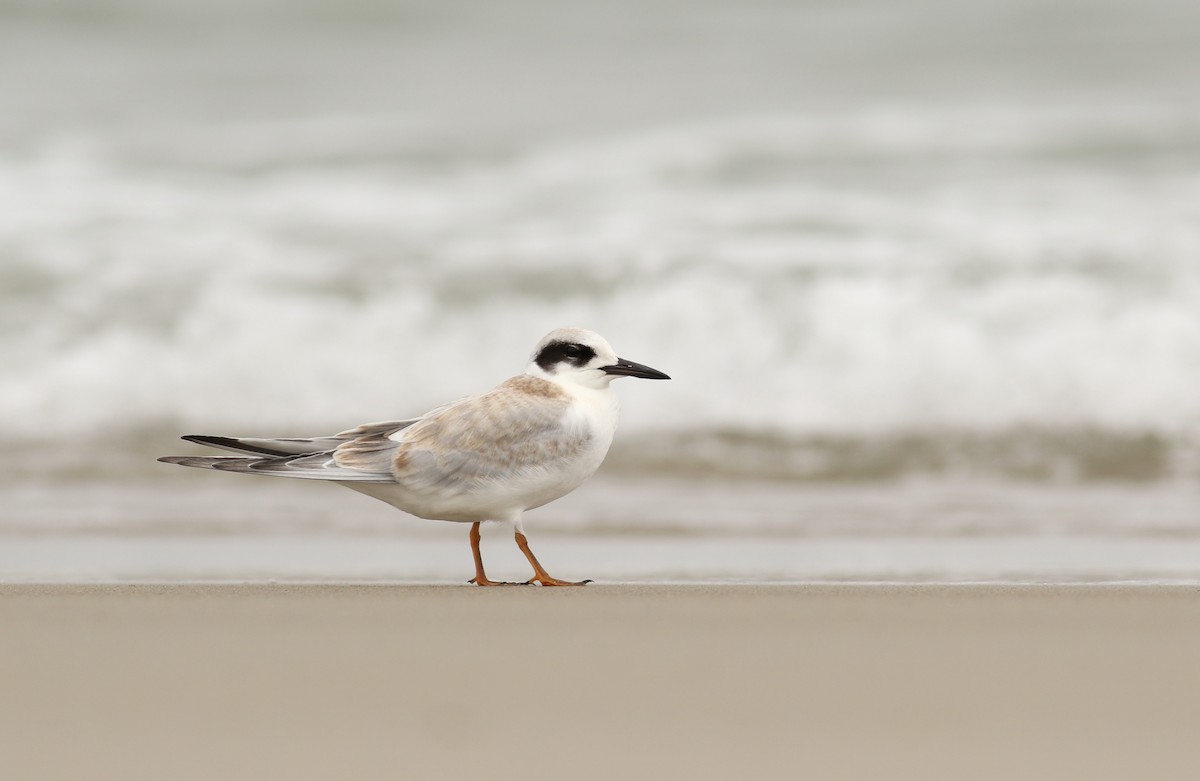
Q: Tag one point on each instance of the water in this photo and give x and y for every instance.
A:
(342, 558)
(874, 243)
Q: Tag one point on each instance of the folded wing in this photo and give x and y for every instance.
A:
(514, 431)
(521, 429)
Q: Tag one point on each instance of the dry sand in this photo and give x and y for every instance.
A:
(612, 682)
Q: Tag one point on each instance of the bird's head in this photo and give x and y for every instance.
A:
(582, 357)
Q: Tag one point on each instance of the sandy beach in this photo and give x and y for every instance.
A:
(175, 682)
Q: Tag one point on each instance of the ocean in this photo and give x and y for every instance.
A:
(922, 271)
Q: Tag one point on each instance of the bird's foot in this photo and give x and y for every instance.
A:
(546, 580)
(483, 581)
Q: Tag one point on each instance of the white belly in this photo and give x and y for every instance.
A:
(492, 502)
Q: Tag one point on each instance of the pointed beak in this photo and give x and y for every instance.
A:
(624, 368)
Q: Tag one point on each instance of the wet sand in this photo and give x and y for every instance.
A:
(179, 682)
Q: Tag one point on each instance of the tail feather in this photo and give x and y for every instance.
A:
(200, 462)
(312, 466)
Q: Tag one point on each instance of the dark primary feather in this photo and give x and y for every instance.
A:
(292, 446)
(236, 445)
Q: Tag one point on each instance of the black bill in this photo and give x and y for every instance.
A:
(626, 368)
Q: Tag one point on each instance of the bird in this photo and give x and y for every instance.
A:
(530, 440)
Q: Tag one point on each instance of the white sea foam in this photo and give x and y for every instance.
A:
(786, 286)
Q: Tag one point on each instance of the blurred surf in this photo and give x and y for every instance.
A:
(794, 288)
(290, 220)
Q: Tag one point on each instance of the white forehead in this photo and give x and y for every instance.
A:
(575, 336)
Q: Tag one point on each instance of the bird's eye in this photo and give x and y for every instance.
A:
(572, 353)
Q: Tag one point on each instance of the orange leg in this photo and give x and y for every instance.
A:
(481, 579)
(540, 574)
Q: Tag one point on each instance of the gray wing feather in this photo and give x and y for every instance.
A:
(384, 429)
(371, 453)
(287, 446)
(313, 466)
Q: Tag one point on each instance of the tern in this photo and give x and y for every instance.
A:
(530, 440)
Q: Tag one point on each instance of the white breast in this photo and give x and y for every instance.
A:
(595, 410)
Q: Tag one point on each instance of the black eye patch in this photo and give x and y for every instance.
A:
(564, 352)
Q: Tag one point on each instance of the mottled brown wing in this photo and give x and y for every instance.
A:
(521, 427)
